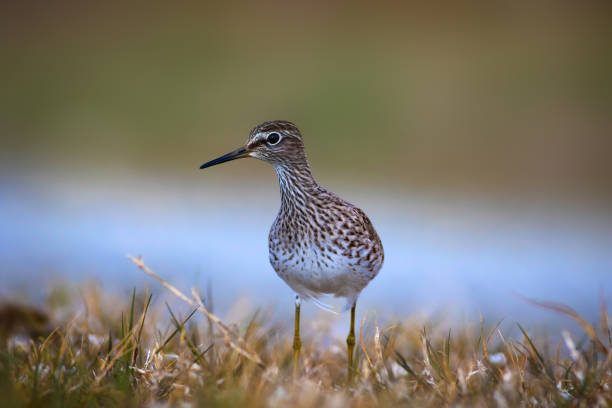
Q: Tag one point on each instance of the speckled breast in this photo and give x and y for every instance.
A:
(312, 266)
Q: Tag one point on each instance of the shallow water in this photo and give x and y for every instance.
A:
(443, 253)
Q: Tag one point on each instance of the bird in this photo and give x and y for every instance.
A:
(319, 244)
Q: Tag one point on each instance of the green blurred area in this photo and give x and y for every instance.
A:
(489, 95)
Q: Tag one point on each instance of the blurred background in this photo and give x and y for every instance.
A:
(477, 138)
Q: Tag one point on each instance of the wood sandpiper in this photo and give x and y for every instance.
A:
(319, 243)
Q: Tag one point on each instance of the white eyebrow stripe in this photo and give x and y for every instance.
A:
(258, 138)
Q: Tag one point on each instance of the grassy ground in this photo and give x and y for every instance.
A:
(96, 350)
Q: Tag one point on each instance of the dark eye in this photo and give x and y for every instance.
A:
(273, 138)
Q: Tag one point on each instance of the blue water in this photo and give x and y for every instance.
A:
(443, 253)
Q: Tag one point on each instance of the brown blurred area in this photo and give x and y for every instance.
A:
(495, 96)
(16, 318)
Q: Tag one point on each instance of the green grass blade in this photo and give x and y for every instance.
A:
(537, 354)
(175, 332)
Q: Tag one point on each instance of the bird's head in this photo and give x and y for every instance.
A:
(277, 142)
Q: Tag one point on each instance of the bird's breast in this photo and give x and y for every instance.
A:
(303, 259)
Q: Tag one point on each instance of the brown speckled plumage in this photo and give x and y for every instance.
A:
(319, 243)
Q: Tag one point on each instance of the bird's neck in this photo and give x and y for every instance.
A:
(297, 186)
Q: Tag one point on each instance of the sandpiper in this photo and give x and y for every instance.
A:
(319, 243)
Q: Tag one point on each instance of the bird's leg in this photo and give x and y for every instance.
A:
(350, 342)
(297, 342)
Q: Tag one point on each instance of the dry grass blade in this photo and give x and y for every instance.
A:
(401, 360)
(568, 311)
(493, 330)
(378, 347)
(447, 352)
(363, 347)
(80, 363)
(604, 318)
(483, 338)
(228, 334)
(231, 338)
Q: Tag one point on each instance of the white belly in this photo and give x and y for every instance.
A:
(311, 271)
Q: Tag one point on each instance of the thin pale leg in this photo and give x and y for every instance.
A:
(297, 342)
(350, 342)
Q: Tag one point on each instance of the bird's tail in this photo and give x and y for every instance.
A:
(324, 306)
(315, 297)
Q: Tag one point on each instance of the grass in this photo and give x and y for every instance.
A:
(96, 350)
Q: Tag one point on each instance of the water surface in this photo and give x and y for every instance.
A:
(443, 253)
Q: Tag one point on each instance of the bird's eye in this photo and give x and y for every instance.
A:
(273, 138)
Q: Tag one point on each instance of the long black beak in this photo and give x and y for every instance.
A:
(236, 154)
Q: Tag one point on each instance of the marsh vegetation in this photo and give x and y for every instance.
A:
(91, 348)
